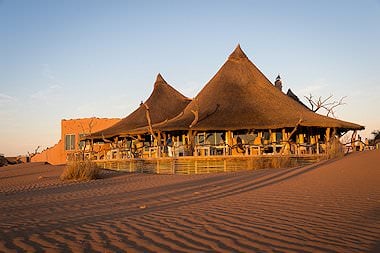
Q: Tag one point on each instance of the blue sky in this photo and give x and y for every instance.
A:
(72, 59)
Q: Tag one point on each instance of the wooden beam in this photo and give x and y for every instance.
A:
(291, 134)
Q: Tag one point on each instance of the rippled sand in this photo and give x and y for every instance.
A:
(332, 206)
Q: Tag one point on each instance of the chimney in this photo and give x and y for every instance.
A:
(278, 83)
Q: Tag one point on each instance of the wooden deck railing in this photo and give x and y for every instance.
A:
(209, 164)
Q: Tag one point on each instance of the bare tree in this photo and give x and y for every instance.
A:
(87, 131)
(328, 104)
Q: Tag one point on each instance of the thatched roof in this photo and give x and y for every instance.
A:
(164, 103)
(291, 94)
(239, 96)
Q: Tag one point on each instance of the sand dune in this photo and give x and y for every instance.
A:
(332, 206)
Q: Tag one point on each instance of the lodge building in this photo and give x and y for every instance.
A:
(238, 113)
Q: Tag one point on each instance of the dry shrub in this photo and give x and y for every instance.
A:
(273, 162)
(335, 149)
(281, 162)
(258, 163)
(81, 171)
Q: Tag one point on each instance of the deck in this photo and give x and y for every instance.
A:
(207, 164)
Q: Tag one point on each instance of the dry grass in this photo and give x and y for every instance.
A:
(81, 171)
(281, 162)
(335, 149)
(273, 162)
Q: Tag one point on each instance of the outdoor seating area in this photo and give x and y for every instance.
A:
(237, 145)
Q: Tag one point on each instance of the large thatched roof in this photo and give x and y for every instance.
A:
(164, 103)
(239, 96)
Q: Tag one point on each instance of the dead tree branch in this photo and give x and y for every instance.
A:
(196, 113)
(291, 134)
(327, 104)
(148, 118)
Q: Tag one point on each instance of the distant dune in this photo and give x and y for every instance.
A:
(332, 206)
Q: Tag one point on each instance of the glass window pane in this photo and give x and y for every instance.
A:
(67, 142)
(70, 142)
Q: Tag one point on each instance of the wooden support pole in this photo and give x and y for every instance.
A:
(190, 140)
(229, 138)
(328, 130)
(327, 139)
(301, 138)
(353, 138)
(291, 134)
(283, 132)
(284, 143)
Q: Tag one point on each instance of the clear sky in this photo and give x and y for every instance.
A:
(72, 59)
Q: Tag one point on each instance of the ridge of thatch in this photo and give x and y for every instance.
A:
(292, 95)
(159, 80)
(238, 54)
(239, 96)
(164, 103)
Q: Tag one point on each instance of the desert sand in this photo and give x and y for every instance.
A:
(331, 206)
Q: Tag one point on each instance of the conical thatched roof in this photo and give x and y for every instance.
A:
(239, 96)
(164, 103)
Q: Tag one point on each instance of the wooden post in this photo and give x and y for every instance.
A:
(158, 153)
(273, 140)
(285, 144)
(229, 138)
(327, 139)
(333, 141)
(190, 140)
(283, 131)
(291, 134)
(183, 139)
(301, 138)
(312, 139)
(164, 134)
(327, 134)
(353, 138)
(317, 141)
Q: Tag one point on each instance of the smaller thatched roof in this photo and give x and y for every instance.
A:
(164, 103)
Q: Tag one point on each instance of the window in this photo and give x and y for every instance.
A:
(70, 142)
(278, 137)
(200, 139)
(266, 135)
(219, 138)
(247, 138)
(210, 138)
